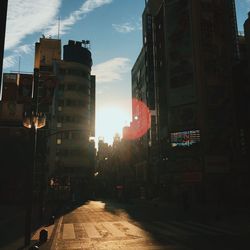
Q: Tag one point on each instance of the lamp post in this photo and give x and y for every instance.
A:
(33, 120)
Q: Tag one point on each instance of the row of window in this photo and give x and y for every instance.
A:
(66, 118)
(64, 152)
(61, 124)
(74, 87)
(73, 102)
(75, 72)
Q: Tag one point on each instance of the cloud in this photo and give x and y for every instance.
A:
(65, 24)
(127, 27)
(27, 17)
(124, 28)
(111, 70)
(9, 61)
(24, 49)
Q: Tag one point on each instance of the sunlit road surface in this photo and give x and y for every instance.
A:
(106, 226)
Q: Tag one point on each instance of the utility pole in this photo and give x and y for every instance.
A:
(3, 16)
(32, 164)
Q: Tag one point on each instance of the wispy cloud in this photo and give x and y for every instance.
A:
(127, 27)
(24, 49)
(28, 16)
(111, 70)
(9, 61)
(124, 28)
(67, 23)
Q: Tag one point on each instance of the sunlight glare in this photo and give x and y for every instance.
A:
(109, 121)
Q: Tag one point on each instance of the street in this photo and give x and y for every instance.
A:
(108, 225)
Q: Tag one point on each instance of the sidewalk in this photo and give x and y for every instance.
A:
(17, 244)
(224, 216)
(12, 227)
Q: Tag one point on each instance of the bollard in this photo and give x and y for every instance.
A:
(35, 247)
(52, 220)
(43, 236)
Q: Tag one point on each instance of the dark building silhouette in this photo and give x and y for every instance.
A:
(241, 92)
(191, 47)
(15, 148)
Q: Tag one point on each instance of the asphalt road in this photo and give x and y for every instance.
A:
(106, 225)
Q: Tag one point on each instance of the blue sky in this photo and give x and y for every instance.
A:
(112, 26)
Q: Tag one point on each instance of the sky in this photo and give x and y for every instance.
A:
(114, 30)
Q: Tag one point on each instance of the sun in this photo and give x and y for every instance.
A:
(109, 121)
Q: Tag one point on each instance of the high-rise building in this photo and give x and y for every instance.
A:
(72, 118)
(191, 47)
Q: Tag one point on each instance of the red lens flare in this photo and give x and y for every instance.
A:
(141, 121)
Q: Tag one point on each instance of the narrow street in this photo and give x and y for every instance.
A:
(108, 225)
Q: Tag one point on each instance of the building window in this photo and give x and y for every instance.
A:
(59, 125)
(62, 71)
(59, 141)
(66, 135)
(61, 102)
(60, 119)
(61, 87)
(71, 86)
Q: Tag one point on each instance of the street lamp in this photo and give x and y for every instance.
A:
(33, 121)
(38, 120)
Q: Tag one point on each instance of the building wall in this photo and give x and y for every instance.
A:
(193, 45)
(47, 50)
(72, 117)
(16, 142)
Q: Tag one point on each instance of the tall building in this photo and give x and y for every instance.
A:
(47, 52)
(241, 92)
(194, 45)
(73, 112)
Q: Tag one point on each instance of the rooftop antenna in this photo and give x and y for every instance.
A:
(59, 21)
(19, 64)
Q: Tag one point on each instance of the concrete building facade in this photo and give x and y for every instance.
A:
(73, 111)
(194, 46)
